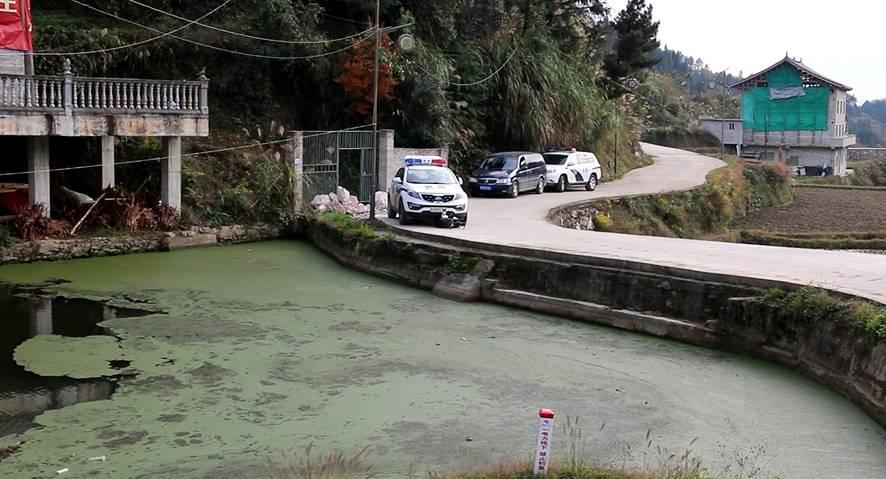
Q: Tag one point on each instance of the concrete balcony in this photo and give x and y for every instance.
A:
(819, 139)
(78, 106)
(39, 107)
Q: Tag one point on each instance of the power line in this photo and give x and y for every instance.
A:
(225, 50)
(490, 77)
(131, 45)
(251, 37)
(341, 19)
(484, 80)
(187, 155)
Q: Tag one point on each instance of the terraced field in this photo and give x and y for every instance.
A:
(823, 210)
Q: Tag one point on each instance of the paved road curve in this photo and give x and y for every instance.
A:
(522, 222)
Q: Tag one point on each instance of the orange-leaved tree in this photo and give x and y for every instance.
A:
(357, 75)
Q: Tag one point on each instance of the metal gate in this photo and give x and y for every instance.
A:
(337, 158)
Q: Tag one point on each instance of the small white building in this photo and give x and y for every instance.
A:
(729, 131)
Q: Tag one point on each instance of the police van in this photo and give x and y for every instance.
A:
(572, 168)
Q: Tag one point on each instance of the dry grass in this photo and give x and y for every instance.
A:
(334, 465)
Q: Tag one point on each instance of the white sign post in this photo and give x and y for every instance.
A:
(543, 443)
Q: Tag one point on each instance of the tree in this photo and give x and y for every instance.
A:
(635, 38)
(358, 76)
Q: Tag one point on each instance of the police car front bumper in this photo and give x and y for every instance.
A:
(423, 209)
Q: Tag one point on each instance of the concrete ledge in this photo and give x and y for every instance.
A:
(56, 250)
(652, 325)
(597, 261)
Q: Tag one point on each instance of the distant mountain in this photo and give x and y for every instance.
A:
(867, 122)
(692, 73)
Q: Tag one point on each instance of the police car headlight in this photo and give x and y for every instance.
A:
(472, 180)
(413, 194)
(460, 196)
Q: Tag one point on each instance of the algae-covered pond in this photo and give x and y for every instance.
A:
(223, 359)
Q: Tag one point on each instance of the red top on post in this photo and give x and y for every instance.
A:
(546, 413)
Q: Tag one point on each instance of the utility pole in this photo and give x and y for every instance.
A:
(723, 120)
(373, 180)
(25, 9)
(615, 157)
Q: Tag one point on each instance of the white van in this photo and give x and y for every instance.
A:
(572, 168)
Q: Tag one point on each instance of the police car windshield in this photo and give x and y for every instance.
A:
(556, 159)
(430, 176)
(500, 163)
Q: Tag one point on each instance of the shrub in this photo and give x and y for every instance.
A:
(462, 263)
(875, 326)
(682, 137)
(349, 225)
(814, 305)
(6, 239)
(776, 170)
(602, 222)
(32, 224)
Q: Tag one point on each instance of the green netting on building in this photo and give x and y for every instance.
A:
(784, 76)
(800, 113)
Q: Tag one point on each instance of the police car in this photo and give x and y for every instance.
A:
(426, 188)
(572, 168)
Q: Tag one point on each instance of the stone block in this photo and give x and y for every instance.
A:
(193, 241)
(463, 288)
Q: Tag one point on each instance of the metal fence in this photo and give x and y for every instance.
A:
(337, 158)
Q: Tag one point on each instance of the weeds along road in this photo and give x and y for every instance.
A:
(522, 222)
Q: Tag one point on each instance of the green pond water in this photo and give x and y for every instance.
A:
(259, 350)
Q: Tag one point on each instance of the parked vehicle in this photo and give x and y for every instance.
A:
(426, 188)
(509, 173)
(572, 168)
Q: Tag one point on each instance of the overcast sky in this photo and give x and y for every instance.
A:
(843, 40)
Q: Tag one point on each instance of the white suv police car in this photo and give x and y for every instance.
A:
(426, 188)
(572, 168)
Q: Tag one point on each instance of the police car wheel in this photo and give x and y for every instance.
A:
(392, 213)
(561, 184)
(591, 185)
(405, 219)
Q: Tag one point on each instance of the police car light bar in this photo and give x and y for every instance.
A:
(425, 160)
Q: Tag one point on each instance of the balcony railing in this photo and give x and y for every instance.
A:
(797, 139)
(68, 94)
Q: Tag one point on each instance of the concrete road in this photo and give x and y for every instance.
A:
(522, 222)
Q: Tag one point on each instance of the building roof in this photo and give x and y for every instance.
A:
(809, 75)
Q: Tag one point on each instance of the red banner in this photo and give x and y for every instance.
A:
(15, 25)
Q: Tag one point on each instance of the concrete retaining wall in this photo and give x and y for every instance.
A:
(55, 250)
(704, 309)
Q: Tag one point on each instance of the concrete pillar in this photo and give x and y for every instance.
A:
(108, 180)
(38, 166)
(171, 180)
(388, 164)
(295, 158)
